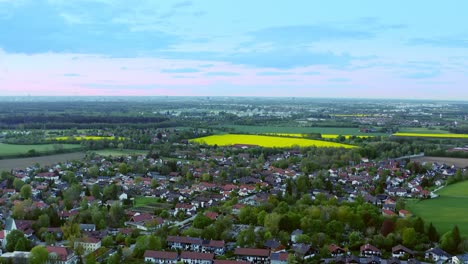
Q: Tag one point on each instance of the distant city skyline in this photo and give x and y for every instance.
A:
(325, 49)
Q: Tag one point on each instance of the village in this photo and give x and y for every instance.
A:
(198, 209)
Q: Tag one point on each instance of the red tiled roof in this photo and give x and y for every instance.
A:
(218, 261)
(211, 215)
(196, 255)
(369, 247)
(333, 248)
(252, 252)
(61, 252)
(91, 240)
(160, 254)
(141, 217)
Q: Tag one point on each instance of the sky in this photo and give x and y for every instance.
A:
(414, 49)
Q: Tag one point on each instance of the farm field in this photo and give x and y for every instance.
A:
(8, 164)
(300, 130)
(444, 211)
(116, 152)
(423, 130)
(400, 134)
(459, 162)
(265, 141)
(12, 149)
(328, 136)
(80, 138)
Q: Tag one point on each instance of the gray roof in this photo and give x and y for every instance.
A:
(10, 224)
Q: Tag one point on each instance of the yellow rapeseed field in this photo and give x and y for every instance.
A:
(265, 141)
(398, 134)
(327, 136)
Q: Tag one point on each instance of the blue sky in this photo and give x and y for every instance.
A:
(362, 49)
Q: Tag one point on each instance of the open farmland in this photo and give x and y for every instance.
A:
(327, 136)
(423, 130)
(81, 138)
(8, 164)
(123, 152)
(353, 131)
(266, 141)
(453, 136)
(444, 211)
(459, 162)
(11, 149)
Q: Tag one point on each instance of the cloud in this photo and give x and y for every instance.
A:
(422, 75)
(180, 70)
(272, 73)
(304, 34)
(311, 73)
(71, 75)
(182, 4)
(449, 42)
(40, 28)
(339, 80)
(222, 74)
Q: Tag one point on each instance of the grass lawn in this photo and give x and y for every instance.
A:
(300, 130)
(266, 141)
(123, 152)
(450, 209)
(146, 201)
(11, 149)
(149, 204)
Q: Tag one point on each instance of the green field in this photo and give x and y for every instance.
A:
(149, 204)
(10, 149)
(266, 141)
(422, 130)
(143, 201)
(433, 135)
(300, 130)
(445, 211)
(123, 152)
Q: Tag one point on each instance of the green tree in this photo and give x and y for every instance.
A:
(409, 237)
(12, 239)
(96, 191)
(123, 168)
(17, 184)
(26, 191)
(39, 255)
(22, 244)
(432, 233)
(201, 221)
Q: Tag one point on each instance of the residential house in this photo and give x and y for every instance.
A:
(196, 257)
(253, 255)
(196, 244)
(160, 257)
(186, 208)
(460, 259)
(368, 250)
(401, 251)
(295, 234)
(437, 254)
(61, 255)
(88, 227)
(404, 213)
(89, 244)
(219, 261)
(279, 257)
(304, 251)
(335, 250)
